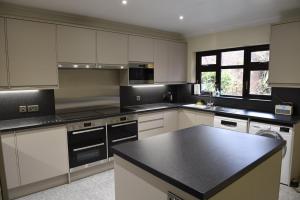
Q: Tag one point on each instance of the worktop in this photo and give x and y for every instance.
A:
(202, 160)
(34, 122)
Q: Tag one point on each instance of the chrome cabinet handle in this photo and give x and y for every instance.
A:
(86, 131)
(88, 147)
(124, 124)
(123, 139)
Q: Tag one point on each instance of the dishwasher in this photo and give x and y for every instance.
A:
(234, 124)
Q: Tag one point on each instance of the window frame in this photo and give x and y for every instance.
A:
(247, 67)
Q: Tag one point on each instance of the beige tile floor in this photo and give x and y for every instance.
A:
(101, 187)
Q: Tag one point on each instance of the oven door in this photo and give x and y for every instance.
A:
(87, 146)
(120, 133)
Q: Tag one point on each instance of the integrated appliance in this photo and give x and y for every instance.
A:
(284, 109)
(90, 142)
(141, 73)
(282, 132)
(233, 124)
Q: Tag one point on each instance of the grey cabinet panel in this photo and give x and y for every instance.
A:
(285, 59)
(141, 49)
(76, 45)
(43, 154)
(112, 48)
(161, 61)
(11, 167)
(31, 53)
(177, 62)
(3, 64)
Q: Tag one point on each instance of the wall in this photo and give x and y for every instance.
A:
(80, 83)
(10, 102)
(148, 95)
(234, 38)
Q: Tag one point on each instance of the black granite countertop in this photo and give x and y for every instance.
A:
(33, 122)
(201, 160)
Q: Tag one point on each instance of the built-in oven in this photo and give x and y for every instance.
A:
(87, 143)
(141, 73)
(120, 130)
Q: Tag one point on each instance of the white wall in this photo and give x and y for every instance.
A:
(229, 39)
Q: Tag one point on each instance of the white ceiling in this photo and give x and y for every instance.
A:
(200, 16)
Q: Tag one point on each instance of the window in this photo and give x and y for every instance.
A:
(208, 81)
(238, 72)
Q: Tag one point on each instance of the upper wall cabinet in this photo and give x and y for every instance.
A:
(177, 62)
(112, 48)
(141, 49)
(76, 45)
(285, 59)
(169, 62)
(31, 53)
(3, 66)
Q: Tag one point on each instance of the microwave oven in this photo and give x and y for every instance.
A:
(141, 73)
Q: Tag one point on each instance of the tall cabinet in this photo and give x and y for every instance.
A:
(3, 64)
(31, 53)
(284, 62)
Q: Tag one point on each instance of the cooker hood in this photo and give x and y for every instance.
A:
(90, 66)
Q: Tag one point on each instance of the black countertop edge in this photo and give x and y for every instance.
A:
(36, 122)
(192, 191)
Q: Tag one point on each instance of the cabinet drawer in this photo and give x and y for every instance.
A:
(231, 124)
(148, 125)
(150, 133)
(151, 117)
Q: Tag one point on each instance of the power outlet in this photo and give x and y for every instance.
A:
(22, 109)
(33, 108)
(138, 98)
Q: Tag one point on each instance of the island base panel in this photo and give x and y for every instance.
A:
(134, 183)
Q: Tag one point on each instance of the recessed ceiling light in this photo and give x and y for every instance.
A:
(181, 17)
(124, 2)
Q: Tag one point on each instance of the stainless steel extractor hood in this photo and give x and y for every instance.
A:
(90, 66)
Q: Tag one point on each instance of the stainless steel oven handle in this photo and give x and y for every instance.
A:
(89, 147)
(86, 131)
(123, 139)
(124, 124)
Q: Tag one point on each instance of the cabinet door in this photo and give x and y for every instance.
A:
(188, 119)
(31, 53)
(141, 49)
(43, 154)
(112, 48)
(76, 45)
(285, 59)
(3, 66)
(9, 151)
(177, 62)
(170, 120)
(205, 118)
(161, 61)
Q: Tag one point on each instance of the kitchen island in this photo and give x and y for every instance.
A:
(199, 163)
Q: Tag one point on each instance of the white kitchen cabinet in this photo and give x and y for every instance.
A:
(177, 63)
(284, 61)
(112, 48)
(161, 61)
(170, 120)
(156, 123)
(141, 49)
(189, 118)
(169, 62)
(76, 45)
(31, 53)
(11, 167)
(3, 64)
(42, 153)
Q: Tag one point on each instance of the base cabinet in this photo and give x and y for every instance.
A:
(35, 155)
(188, 118)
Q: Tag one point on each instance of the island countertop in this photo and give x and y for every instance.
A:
(201, 160)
